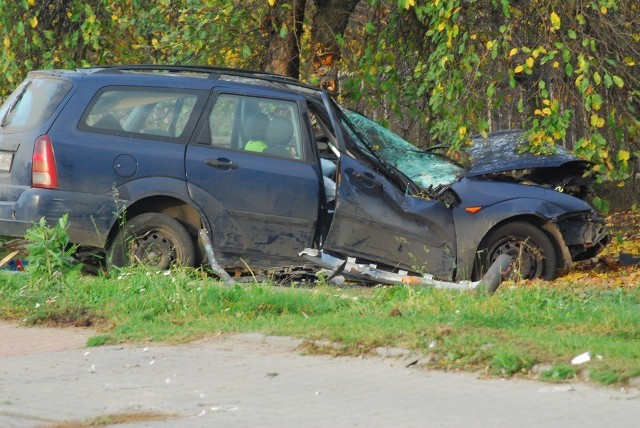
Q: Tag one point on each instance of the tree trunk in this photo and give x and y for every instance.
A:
(330, 21)
(283, 26)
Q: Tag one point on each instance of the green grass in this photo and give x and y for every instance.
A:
(505, 334)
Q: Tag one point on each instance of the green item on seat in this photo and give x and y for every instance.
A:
(255, 146)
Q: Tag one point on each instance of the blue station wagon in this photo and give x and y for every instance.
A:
(142, 158)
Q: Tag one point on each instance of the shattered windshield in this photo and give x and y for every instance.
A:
(425, 169)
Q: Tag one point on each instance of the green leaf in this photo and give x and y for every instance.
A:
(568, 69)
(283, 31)
(618, 81)
(597, 78)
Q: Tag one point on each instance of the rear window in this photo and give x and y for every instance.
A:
(148, 112)
(32, 103)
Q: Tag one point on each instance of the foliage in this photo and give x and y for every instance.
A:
(74, 33)
(50, 254)
(565, 71)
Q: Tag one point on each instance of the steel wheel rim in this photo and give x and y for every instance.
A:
(527, 259)
(154, 249)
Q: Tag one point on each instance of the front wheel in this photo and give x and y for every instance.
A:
(532, 252)
(153, 240)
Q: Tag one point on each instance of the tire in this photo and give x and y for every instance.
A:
(533, 253)
(154, 240)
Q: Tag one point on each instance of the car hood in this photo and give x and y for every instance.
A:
(502, 156)
(504, 151)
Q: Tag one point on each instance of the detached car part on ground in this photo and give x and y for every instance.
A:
(142, 158)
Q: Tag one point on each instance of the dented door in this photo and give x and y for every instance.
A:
(377, 222)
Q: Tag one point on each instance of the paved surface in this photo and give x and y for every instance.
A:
(258, 381)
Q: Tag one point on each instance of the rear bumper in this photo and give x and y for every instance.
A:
(90, 216)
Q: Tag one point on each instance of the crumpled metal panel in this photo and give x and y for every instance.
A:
(504, 151)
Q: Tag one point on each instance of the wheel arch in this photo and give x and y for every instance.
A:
(563, 257)
(170, 206)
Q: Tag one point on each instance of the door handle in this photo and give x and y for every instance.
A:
(222, 163)
(368, 180)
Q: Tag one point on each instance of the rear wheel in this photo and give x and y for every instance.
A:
(154, 240)
(532, 252)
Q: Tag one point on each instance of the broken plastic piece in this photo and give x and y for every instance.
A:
(581, 359)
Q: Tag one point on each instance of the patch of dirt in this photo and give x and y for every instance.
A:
(109, 420)
(17, 340)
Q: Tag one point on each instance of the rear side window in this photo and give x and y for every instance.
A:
(265, 125)
(149, 112)
(32, 103)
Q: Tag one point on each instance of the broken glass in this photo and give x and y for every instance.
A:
(427, 170)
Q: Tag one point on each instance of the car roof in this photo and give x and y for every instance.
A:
(222, 74)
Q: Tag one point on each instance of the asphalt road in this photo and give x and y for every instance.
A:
(48, 377)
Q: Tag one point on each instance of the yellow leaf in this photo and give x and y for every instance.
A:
(518, 69)
(555, 21)
(462, 131)
(489, 44)
(546, 111)
(624, 155)
(556, 64)
(512, 52)
(603, 10)
(271, 2)
(597, 121)
(32, 2)
(530, 62)
(546, 102)
(33, 22)
(7, 42)
(538, 112)
(629, 61)
(441, 26)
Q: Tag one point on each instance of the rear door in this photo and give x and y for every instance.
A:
(378, 219)
(262, 204)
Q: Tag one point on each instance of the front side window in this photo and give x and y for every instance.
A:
(261, 125)
(32, 103)
(147, 111)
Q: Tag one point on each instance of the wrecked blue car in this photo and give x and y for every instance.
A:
(144, 158)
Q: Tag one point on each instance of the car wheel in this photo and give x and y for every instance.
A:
(532, 252)
(154, 240)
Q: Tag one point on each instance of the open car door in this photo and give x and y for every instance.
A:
(379, 221)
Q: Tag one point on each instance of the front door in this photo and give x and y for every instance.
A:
(378, 220)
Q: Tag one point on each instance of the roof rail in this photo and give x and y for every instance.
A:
(213, 72)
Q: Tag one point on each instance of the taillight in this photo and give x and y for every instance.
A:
(43, 165)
